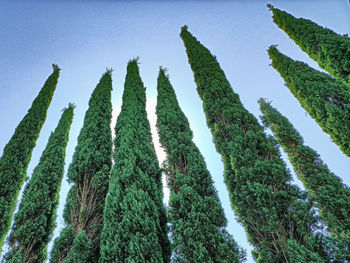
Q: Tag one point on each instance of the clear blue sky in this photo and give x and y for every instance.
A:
(86, 37)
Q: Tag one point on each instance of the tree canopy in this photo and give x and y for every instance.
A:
(17, 152)
(326, 100)
(89, 172)
(196, 216)
(134, 216)
(277, 216)
(331, 195)
(330, 50)
(35, 220)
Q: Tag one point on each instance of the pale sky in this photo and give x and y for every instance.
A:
(86, 37)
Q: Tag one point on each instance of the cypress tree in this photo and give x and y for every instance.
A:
(134, 216)
(324, 98)
(35, 220)
(62, 245)
(276, 215)
(330, 50)
(197, 218)
(81, 249)
(331, 195)
(18, 151)
(89, 171)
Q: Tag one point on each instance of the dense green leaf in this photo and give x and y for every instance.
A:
(62, 245)
(331, 195)
(18, 151)
(329, 49)
(134, 216)
(196, 216)
(82, 248)
(89, 172)
(35, 220)
(326, 100)
(274, 212)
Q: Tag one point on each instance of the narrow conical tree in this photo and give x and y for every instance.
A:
(331, 195)
(196, 216)
(35, 220)
(325, 99)
(277, 220)
(134, 217)
(330, 50)
(89, 171)
(18, 151)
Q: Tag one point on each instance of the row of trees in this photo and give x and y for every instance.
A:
(197, 218)
(17, 152)
(330, 195)
(89, 173)
(277, 216)
(35, 220)
(326, 98)
(135, 223)
(114, 211)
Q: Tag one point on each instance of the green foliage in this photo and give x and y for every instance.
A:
(35, 220)
(18, 151)
(331, 195)
(90, 169)
(81, 249)
(325, 99)
(197, 218)
(273, 211)
(134, 216)
(300, 254)
(329, 49)
(17, 257)
(62, 245)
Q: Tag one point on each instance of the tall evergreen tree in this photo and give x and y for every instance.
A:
(324, 98)
(331, 195)
(18, 151)
(330, 50)
(89, 171)
(134, 217)
(197, 218)
(276, 217)
(35, 220)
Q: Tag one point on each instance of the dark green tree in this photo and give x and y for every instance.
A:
(276, 216)
(18, 151)
(16, 258)
(81, 249)
(196, 216)
(331, 195)
(326, 100)
(330, 50)
(134, 217)
(35, 220)
(89, 172)
(62, 245)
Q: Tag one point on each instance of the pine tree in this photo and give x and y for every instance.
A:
(89, 171)
(275, 213)
(35, 220)
(325, 99)
(330, 50)
(134, 217)
(197, 218)
(18, 151)
(331, 195)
